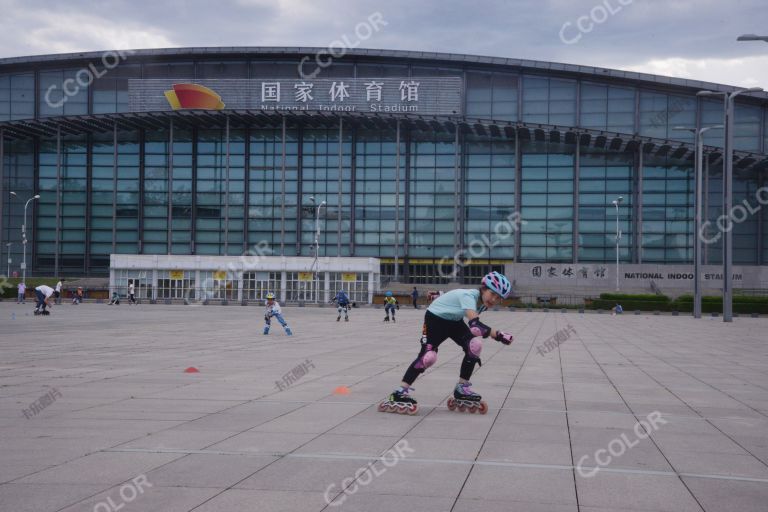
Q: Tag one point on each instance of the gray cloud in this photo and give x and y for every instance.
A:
(636, 35)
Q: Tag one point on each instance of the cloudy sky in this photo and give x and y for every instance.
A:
(681, 38)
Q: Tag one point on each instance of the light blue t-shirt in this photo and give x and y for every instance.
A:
(451, 305)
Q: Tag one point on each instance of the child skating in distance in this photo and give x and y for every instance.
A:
(445, 319)
(273, 310)
(390, 303)
(342, 304)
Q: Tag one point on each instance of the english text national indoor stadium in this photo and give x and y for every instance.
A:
(252, 169)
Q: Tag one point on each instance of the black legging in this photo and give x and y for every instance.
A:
(435, 331)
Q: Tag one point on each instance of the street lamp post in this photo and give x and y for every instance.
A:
(8, 273)
(317, 238)
(317, 227)
(730, 98)
(615, 203)
(698, 172)
(24, 236)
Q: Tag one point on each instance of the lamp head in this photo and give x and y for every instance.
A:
(36, 196)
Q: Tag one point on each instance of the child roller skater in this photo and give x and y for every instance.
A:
(273, 310)
(389, 305)
(342, 304)
(444, 319)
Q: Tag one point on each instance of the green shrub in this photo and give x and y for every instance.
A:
(10, 292)
(630, 302)
(714, 304)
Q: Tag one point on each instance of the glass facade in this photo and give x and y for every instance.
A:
(603, 178)
(209, 190)
(667, 212)
(547, 203)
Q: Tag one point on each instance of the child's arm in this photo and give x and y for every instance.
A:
(480, 329)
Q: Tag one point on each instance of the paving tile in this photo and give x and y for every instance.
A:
(729, 495)
(644, 492)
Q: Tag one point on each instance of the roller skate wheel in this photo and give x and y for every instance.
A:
(462, 407)
(483, 408)
(451, 403)
(412, 409)
(383, 407)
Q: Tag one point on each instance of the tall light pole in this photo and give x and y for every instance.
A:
(615, 203)
(8, 245)
(729, 97)
(24, 236)
(317, 242)
(698, 172)
(317, 226)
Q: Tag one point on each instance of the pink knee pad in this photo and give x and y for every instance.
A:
(475, 347)
(428, 359)
(476, 331)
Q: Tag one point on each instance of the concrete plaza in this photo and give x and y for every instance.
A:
(97, 413)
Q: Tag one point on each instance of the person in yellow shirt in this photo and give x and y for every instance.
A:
(390, 303)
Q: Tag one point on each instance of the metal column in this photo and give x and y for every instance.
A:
(353, 188)
(2, 196)
(193, 219)
(226, 189)
(705, 208)
(58, 202)
(397, 196)
(142, 172)
(518, 194)
(246, 188)
(637, 206)
(282, 191)
(576, 175)
(760, 224)
(88, 202)
(170, 188)
(457, 232)
(406, 207)
(727, 200)
(114, 187)
(341, 168)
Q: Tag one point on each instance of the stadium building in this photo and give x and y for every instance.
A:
(439, 166)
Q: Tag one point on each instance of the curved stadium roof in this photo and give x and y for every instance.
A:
(48, 126)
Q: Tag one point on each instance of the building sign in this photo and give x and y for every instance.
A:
(176, 275)
(193, 96)
(306, 276)
(634, 277)
(414, 95)
(220, 275)
(596, 272)
(348, 277)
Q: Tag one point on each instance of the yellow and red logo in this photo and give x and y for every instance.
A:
(193, 96)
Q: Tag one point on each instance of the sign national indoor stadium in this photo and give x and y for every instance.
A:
(426, 96)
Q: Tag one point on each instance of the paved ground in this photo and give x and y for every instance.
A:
(126, 429)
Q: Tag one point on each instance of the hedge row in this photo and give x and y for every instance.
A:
(10, 290)
(684, 303)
